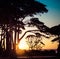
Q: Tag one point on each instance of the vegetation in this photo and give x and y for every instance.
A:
(56, 31)
(10, 13)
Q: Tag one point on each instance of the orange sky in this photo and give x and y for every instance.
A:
(46, 41)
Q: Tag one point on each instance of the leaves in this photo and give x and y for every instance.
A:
(20, 8)
(56, 39)
(55, 30)
(12, 10)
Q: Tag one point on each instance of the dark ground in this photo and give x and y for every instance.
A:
(31, 57)
(34, 54)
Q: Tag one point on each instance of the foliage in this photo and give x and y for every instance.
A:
(34, 42)
(10, 12)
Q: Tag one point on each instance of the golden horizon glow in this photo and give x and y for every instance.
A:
(48, 44)
(23, 45)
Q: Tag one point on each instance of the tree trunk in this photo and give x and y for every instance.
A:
(14, 41)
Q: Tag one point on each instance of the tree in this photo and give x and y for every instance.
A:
(34, 42)
(40, 28)
(11, 11)
(56, 31)
(21, 8)
(40, 25)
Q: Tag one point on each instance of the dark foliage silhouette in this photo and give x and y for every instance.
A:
(20, 8)
(40, 25)
(10, 12)
(56, 31)
(33, 43)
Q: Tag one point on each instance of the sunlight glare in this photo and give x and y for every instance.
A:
(23, 45)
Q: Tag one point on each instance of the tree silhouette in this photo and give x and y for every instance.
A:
(10, 12)
(21, 8)
(34, 42)
(40, 25)
(56, 31)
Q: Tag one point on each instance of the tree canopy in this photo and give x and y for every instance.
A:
(40, 25)
(55, 30)
(11, 10)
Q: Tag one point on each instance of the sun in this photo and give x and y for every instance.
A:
(23, 45)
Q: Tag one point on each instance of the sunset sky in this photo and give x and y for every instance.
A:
(52, 17)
